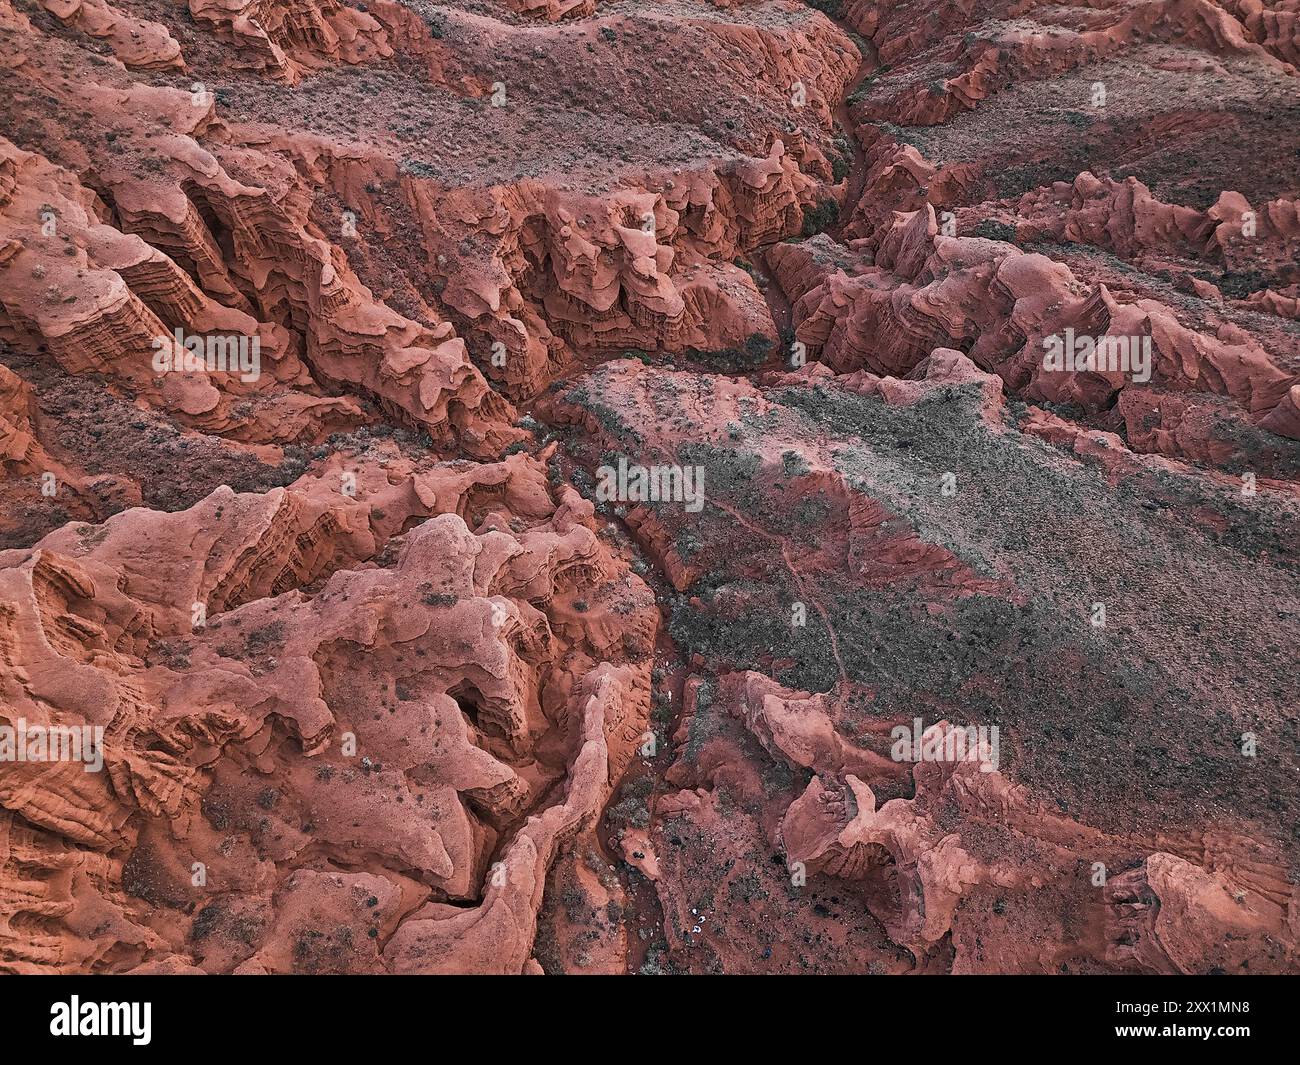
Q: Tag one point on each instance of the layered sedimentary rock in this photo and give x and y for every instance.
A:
(285, 40)
(139, 44)
(242, 731)
(1004, 307)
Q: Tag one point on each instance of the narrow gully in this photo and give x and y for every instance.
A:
(643, 914)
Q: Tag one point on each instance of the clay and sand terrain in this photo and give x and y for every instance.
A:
(635, 487)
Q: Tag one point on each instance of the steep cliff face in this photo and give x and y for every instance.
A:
(699, 486)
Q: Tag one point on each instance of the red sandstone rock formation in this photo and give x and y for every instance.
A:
(924, 289)
(441, 742)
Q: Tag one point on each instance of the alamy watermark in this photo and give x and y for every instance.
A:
(632, 483)
(182, 353)
(1083, 354)
(77, 1018)
(974, 743)
(22, 742)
